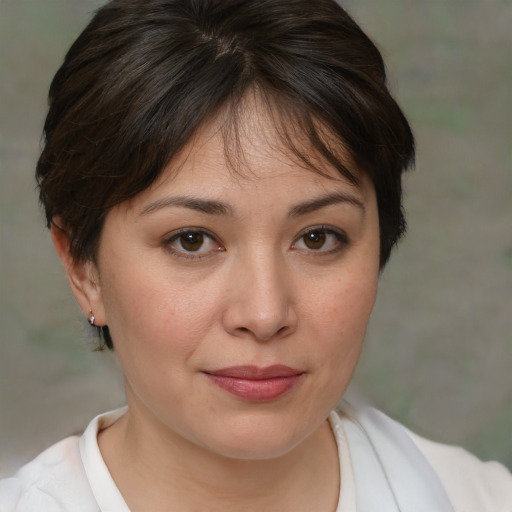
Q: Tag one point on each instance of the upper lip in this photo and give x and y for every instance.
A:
(250, 372)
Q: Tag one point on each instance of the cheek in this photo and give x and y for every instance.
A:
(157, 309)
(345, 304)
(339, 317)
(157, 328)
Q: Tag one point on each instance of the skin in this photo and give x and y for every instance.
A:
(257, 291)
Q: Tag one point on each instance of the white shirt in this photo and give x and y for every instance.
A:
(71, 476)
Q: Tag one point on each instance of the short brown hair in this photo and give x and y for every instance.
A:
(145, 75)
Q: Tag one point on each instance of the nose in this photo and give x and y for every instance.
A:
(260, 302)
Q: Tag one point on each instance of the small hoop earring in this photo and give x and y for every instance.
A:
(91, 319)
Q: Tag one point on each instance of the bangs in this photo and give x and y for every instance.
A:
(144, 78)
(295, 133)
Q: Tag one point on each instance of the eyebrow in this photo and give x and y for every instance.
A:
(213, 207)
(326, 200)
(207, 206)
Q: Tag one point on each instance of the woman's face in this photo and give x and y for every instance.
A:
(238, 303)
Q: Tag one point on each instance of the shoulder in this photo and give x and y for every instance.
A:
(70, 476)
(54, 481)
(471, 484)
(431, 469)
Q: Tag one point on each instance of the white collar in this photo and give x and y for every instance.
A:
(390, 473)
(103, 487)
(381, 468)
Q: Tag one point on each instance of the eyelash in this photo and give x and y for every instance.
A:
(191, 255)
(341, 242)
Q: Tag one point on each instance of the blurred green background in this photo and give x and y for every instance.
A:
(438, 355)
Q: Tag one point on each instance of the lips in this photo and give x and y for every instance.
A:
(255, 384)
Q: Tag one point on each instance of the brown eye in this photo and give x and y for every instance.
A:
(314, 240)
(321, 240)
(191, 241)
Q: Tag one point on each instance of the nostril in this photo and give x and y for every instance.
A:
(286, 331)
(280, 332)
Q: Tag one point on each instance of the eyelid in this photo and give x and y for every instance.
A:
(189, 229)
(340, 235)
(174, 235)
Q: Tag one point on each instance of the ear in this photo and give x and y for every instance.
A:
(83, 277)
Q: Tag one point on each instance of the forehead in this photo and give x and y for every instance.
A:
(252, 141)
(262, 176)
(265, 181)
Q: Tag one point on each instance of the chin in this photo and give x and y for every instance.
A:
(253, 438)
(256, 448)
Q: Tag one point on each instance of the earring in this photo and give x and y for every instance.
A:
(91, 318)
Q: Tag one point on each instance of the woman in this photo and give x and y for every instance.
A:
(222, 182)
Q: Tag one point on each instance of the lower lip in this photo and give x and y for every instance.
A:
(256, 390)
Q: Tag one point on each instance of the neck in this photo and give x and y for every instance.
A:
(162, 471)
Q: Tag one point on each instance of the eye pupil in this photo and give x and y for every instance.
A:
(314, 239)
(191, 241)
